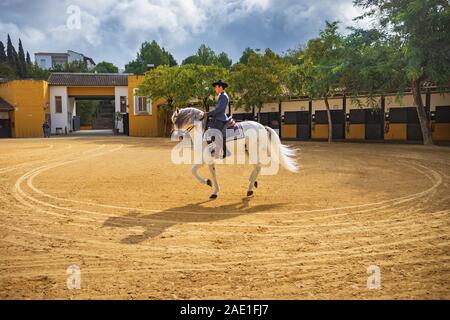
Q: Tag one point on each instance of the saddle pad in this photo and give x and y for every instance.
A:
(235, 132)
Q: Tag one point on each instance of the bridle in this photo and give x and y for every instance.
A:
(189, 130)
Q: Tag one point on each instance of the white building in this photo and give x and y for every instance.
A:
(66, 88)
(48, 60)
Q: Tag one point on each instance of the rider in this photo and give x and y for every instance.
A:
(218, 115)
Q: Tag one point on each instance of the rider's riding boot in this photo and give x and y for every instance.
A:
(226, 153)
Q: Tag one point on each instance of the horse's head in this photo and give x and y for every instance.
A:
(184, 119)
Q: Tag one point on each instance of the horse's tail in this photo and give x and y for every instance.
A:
(286, 153)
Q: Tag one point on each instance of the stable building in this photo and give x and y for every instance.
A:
(379, 118)
(26, 104)
(23, 106)
(65, 89)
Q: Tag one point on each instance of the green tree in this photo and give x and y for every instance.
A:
(293, 56)
(204, 77)
(36, 72)
(173, 85)
(21, 62)
(12, 56)
(150, 53)
(205, 56)
(423, 30)
(72, 67)
(6, 71)
(321, 70)
(106, 67)
(371, 65)
(246, 55)
(224, 61)
(29, 63)
(3, 57)
(86, 109)
(259, 81)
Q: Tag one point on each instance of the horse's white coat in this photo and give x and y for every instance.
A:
(185, 119)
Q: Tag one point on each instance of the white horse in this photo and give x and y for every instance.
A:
(185, 120)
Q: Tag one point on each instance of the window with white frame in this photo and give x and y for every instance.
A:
(142, 105)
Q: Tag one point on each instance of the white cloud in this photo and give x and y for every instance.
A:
(28, 35)
(113, 30)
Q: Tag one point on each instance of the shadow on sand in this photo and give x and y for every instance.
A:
(155, 224)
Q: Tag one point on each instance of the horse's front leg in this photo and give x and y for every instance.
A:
(200, 179)
(212, 169)
(253, 178)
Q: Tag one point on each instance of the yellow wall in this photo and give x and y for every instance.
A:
(90, 91)
(235, 110)
(289, 131)
(30, 99)
(270, 107)
(355, 132)
(320, 131)
(301, 105)
(439, 99)
(397, 131)
(142, 125)
(441, 131)
(363, 103)
(335, 104)
(406, 101)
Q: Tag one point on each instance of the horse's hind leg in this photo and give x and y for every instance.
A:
(198, 177)
(253, 178)
(212, 169)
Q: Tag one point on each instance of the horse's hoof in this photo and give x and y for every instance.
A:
(209, 183)
(256, 184)
(213, 196)
(250, 194)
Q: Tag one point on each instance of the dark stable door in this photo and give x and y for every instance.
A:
(374, 124)
(270, 119)
(413, 129)
(126, 124)
(5, 128)
(243, 117)
(303, 125)
(337, 119)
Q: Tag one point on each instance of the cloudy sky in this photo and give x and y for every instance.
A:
(113, 30)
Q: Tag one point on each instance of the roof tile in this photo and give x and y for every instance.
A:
(88, 79)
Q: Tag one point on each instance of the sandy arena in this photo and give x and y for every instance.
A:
(140, 227)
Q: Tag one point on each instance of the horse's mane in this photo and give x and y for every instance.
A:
(186, 115)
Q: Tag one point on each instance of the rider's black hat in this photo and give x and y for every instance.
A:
(220, 83)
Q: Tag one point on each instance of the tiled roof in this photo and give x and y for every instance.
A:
(5, 106)
(88, 79)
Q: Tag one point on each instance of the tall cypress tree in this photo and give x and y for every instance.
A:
(3, 57)
(21, 63)
(10, 52)
(29, 63)
(12, 56)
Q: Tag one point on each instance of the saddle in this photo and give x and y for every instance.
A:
(231, 123)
